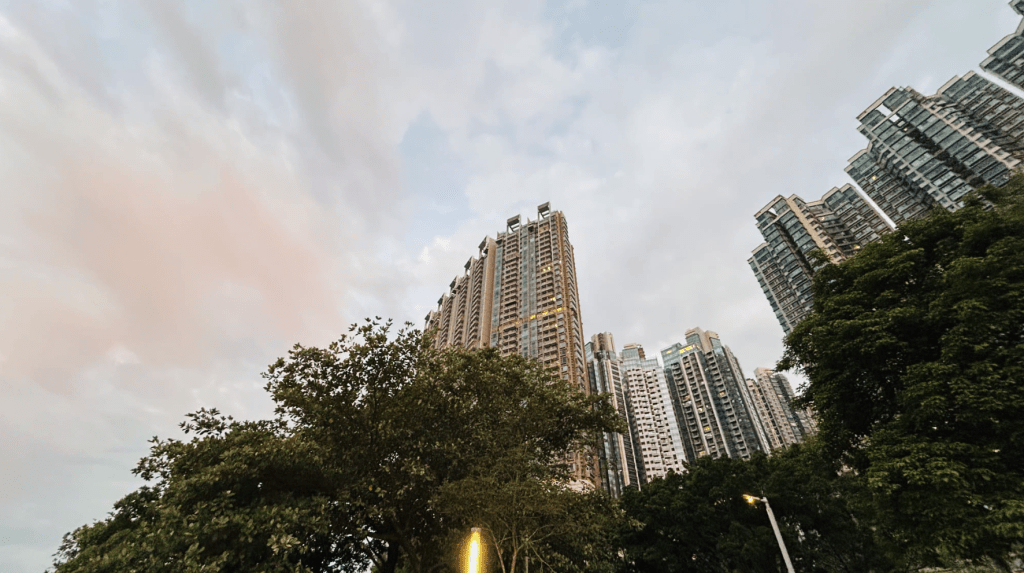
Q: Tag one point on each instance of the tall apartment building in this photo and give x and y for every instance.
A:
(714, 409)
(773, 396)
(1006, 58)
(658, 444)
(463, 315)
(618, 463)
(838, 224)
(927, 151)
(519, 295)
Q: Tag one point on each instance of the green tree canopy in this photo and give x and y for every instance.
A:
(237, 497)
(369, 433)
(527, 513)
(699, 521)
(915, 359)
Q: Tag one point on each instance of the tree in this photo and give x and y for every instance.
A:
(237, 497)
(826, 507)
(915, 357)
(528, 513)
(350, 472)
(402, 420)
(699, 522)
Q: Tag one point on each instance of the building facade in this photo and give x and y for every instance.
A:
(714, 409)
(837, 225)
(463, 315)
(618, 464)
(773, 396)
(519, 295)
(928, 151)
(1006, 58)
(656, 437)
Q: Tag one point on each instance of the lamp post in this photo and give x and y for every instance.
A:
(474, 551)
(778, 534)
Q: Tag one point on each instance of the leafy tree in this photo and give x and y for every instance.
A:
(699, 522)
(915, 357)
(827, 507)
(402, 420)
(351, 472)
(533, 516)
(237, 497)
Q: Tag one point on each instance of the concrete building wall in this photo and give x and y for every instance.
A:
(655, 429)
(784, 425)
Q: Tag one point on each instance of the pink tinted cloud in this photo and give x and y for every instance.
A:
(180, 245)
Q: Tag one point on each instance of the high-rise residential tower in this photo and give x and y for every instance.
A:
(713, 405)
(519, 295)
(619, 467)
(838, 224)
(773, 397)
(1006, 58)
(463, 315)
(927, 151)
(657, 442)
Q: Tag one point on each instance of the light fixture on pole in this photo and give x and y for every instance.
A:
(778, 534)
(474, 551)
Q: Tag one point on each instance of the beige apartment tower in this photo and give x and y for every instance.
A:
(519, 295)
(773, 396)
(837, 225)
(463, 315)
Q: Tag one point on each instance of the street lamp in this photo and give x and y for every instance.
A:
(474, 550)
(778, 534)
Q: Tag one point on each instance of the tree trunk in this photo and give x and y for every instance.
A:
(391, 561)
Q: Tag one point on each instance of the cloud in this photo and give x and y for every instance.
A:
(148, 234)
(191, 188)
(177, 213)
(660, 148)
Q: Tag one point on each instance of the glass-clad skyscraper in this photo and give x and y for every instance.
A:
(1006, 58)
(931, 151)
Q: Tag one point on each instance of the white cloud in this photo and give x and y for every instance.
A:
(168, 234)
(190, 189)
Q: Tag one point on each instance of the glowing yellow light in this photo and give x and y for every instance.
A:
(750, 499)
(474, 550)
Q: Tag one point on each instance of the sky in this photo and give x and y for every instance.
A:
(187, 189)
